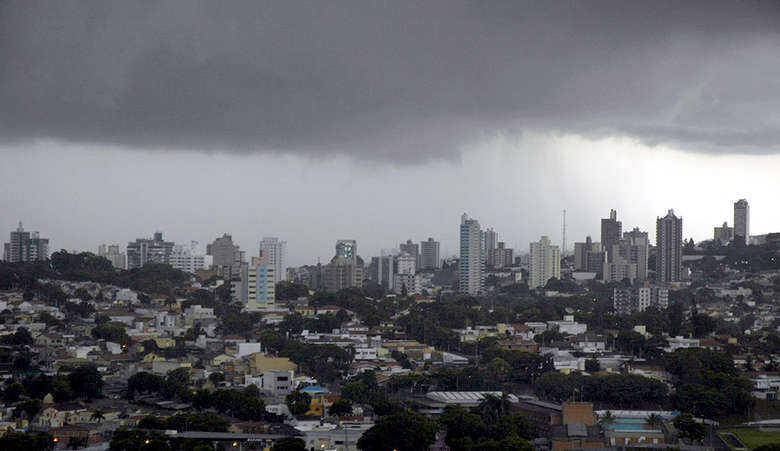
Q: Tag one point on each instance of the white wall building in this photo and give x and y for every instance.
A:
(273, 252)
(187, 258)
(472, 257)
(545, 263)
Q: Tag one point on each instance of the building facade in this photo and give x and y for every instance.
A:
(25, 247)
(226, 257)
(273, 252)
(187, 258)
(144, 251)
(611, 232)
(471, 274)
(112, 253)
(545, 263)
(742, 220)
(669, 243)
(429, 254)
(723, 234)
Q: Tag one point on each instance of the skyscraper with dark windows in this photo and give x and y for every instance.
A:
(669, 243)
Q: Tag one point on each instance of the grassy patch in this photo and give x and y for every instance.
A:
(754, 438)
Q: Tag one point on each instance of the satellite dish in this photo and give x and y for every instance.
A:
(569, 310)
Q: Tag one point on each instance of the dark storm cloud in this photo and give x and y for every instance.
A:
(396, 80)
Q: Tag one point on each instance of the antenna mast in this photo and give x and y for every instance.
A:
(563, 239)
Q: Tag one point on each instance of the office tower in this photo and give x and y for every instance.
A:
(490, 243)
(144, 251)
(274, 253)
(545, 263)
(226, 257)
(619, 268)
(723, 234)
(635, 247)
(25, 247)
(742, 220)
(582, 252)
(611, 232)
(429, 254)
(187, 258)
(412, 249)
(385, 271)
(472, 257)
(260, 287)
(113, 254)
(347, 249)
(669, 244)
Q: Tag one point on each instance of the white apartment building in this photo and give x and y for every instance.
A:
(545, 263)
(472, 257)
(273, 252)
(187, 258)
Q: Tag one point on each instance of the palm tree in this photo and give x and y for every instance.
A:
(98, 416)
(606, 418)
(655, 420)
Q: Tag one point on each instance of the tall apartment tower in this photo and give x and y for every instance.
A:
(472, 257)
(273, 252)
(545, 263)
(635, 246)
(113, 254)
(491, 242)
(742, 220)
(144, 251)
(668, 231)
(611, 232)
(429, 254)
(226, 257)
(412, 249)
(25, 247)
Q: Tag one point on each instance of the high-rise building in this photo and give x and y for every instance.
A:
(274, 253)
(25, 247)
(627, 301)
(261, 287)
(385, 271)
(472, 257)
(611, 232)
(144, 251)
(187, 258)
(742, 220)
(724, 234)
(342, 273)
(581, 252)
(226, 257)
(347, 249)
(429, 254)
(634, 247)
(490, 243)
(545, 263)
(412, 249)
(669, 244)
(406, 263)
(113, 254)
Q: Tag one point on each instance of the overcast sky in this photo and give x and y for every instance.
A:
(383, 121)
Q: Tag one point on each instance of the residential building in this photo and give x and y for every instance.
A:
(669, 244)
(148, 250)
(545, 263)
(472, 257)
(113, 254)
(723, 234)
(187, 258)
(343, 272)
(742, 220)
(490, 241)
(429, 254)
(347, 249)
(226, 257)
(611, 232)
(406, 263)
(412, 249)
(627, 301)
(261, 287)
(502, 256)
(273, 252)
(581, 253)
(635, 247)
(25, 247)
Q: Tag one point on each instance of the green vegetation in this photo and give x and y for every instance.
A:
(614, 390)
(403, 431)
(753, 438)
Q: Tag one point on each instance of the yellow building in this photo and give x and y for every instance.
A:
(260, 363)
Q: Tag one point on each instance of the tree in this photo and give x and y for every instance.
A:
(216, 377)
(298, 402)
(607, 418)
(341, 407)
(592, 366)
(404, 431)
(689, 428)
(23, 441)
(98, 416)
(136, 439)
(75, 442)
(289, 444)
(27, 409)
(655, 420)
(86, 382)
